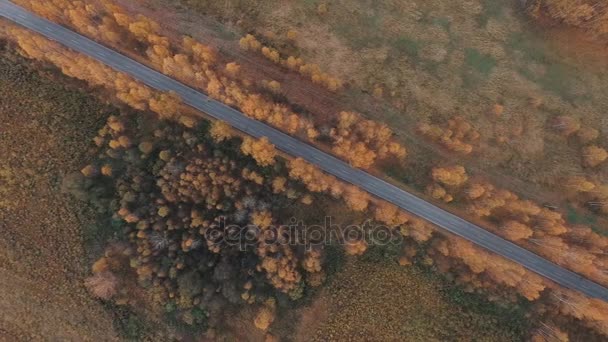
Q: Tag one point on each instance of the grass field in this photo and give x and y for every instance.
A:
(378, 299)
(48, 238)
(44, 136)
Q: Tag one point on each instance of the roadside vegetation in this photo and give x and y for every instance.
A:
(164, 179)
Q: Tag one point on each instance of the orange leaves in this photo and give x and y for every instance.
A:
(220, 131)
(496, 268)
(271, 54)
(389, 214)
(89, 171)
(250, 43)
(200, 53)
(314, 179)
(357, 153)
(278, 185)
(578, 184)
(233, 68)
(278, 261)
(265, 315)
(79, 66)
(252, 176)
(417, 229)
(593, 155)
(355, 198)
(453, 176)
(361, 141)
(166, 105)
(261, 150)
(594, 312)
(312, 71)
(459, 135)
(317, 181)
(514, 230)
(436, 191)
(262, 219)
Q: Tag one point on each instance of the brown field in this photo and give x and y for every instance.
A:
(43, 255)
(386, 302)
(49, 238)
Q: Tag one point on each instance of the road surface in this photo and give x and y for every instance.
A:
(297, 148)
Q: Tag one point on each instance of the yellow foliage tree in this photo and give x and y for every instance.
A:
(453, 176)
(261, 150)
(220, 131)
(594, 155)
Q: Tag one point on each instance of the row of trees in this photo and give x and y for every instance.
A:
(76, 65)
(538, 228)
(359, 141)
(481, 271)
(312, 71)
(535, 227)
(457, 135)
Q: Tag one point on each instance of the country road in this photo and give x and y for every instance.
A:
(297, 148)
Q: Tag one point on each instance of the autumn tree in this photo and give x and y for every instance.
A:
(390, 214)
(166, 105)
(261, 150)
(220, 131)
(593, 155)
(356, 199)
(458, 135)
(265, 315)
(514, 230)
(233, 68)
(452, 176)
(578, 184)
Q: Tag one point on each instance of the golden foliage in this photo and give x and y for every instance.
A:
(355, 198)
(262, 219)
(459, 135)
(220, 131)
(361, 141)
(594, 155)
(166, 105)
(261, 150)
(249, 42)
(265, 315)
(452, 176)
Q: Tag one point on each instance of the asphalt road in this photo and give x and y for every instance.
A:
(292, 146)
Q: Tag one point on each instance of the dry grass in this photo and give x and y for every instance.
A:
(44, 135)
(383, 301)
